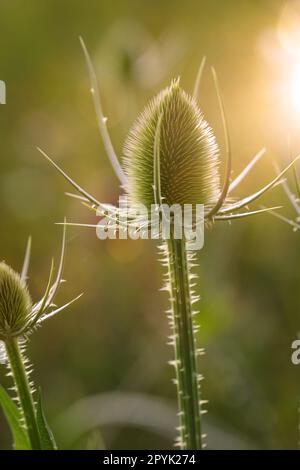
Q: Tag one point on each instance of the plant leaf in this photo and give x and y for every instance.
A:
(246, 170)
(198, 79)
(101, 119)
(25, 267)
(226, 184)
(246, 214)
(13, 417)
(247, 200)
(156, 163)
(72, 182)
(46, 436)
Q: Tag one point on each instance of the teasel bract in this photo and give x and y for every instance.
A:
(171, 157)
(293, 197)
(19, 318)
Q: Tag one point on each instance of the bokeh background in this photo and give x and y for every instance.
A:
(102, 364)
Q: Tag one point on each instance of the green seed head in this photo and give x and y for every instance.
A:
(15, 303)
(188, 152)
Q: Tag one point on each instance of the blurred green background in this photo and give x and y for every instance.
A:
(111, 345)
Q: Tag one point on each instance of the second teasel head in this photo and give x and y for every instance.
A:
(19, 316)
(15, 302)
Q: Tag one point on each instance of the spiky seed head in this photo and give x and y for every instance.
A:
(188, 152)
(15, 302)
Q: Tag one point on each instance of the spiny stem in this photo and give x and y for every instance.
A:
(187, 379)
(20, 377)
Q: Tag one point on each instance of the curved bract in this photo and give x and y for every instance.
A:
(188, 152)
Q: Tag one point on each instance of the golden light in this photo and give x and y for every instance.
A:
(288, 32)
(289, 27)
(295, 89)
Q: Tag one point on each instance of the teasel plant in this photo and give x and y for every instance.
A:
(171, 156)
(19, 318)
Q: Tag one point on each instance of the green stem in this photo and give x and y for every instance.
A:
(16, 362)
(187, 379)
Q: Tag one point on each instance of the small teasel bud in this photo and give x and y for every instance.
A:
(15, 303)
(19, 317)
(188, 152)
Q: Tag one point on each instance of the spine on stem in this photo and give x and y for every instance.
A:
(19, 372)
(179, 263)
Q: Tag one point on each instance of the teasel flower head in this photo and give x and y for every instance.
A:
(171, 152)
(19, 316)
(188, 152)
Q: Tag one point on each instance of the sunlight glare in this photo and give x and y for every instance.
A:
(289, 27)
(295, 88)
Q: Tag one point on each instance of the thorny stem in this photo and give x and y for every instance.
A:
(24, 392)
(187, 379)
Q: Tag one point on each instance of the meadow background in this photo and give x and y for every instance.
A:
(111, 345)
